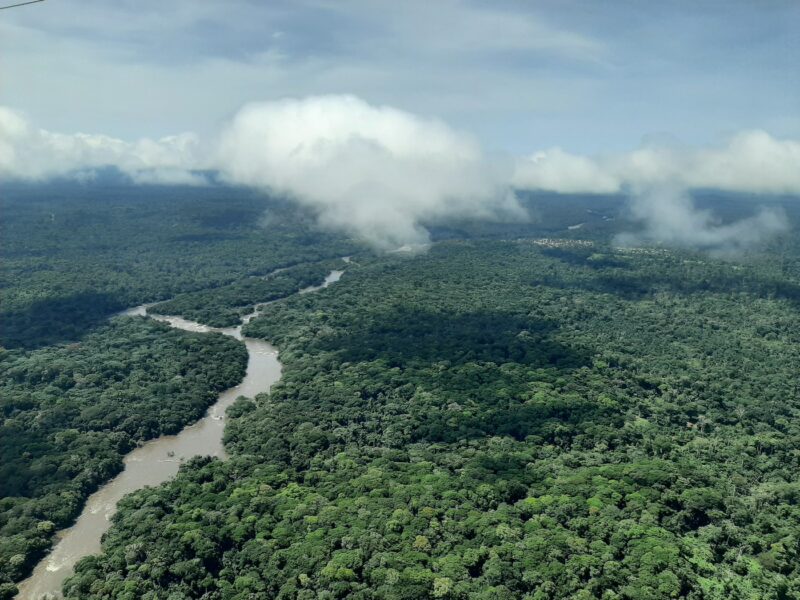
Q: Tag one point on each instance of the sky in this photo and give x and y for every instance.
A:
(589, 77)
(383, 115)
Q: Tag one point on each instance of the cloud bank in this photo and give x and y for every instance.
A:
(29, 153)
(557, 171)
(373, 171)
(750, 161)
(657, 177)
(380, 173)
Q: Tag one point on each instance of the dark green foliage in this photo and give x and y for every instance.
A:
(498, 420)
(224, 306)
(71, 412)
(531, 419)
(73, 255)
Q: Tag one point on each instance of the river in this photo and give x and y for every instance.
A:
(157, 460)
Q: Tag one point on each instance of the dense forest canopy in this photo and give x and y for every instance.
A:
(75, 254)
(523, 411)
(71, 412)
(78, 392)
(224, 306)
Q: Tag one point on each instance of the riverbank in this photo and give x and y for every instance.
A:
(159, 459)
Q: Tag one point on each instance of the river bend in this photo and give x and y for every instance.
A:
(156, 460)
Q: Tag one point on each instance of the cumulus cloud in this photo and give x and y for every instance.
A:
(558, 171)
(29, 153)
(658, 177)
(750, 161)
(376, 172)
(670, 217)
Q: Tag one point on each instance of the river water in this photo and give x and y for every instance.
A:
(157, 460)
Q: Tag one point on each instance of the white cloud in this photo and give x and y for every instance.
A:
(30, 153)
(558, 171)
(669, 216)
(658, 176)
(373, 171)
(750, 161)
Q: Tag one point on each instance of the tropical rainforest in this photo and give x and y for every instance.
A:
(71, 412)
(527, 411)
(80, 391)
(74, 254)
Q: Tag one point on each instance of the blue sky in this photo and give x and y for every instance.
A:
(590, 77)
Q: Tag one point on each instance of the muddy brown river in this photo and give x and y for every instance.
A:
(157, 460)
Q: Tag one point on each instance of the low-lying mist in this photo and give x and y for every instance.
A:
(669, 216)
